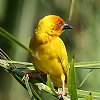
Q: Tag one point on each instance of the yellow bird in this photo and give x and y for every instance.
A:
(49, 54)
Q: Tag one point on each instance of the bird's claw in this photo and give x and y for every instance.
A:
(26, 76)
(61, 94)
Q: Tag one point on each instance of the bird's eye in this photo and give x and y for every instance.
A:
(59, 23)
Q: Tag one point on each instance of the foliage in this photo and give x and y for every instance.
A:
(36, 88)
(20, 17)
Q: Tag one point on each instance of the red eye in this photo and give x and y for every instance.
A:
(59, 23)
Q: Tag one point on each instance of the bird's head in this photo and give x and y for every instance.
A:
(52, 25)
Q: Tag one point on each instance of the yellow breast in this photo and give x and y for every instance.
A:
(51, 58)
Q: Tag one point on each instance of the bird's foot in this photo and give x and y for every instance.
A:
(26, 76)
(32, 74)
(61, 94)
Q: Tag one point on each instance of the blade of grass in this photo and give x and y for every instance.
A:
(87, 65)
(71, 10)
(72, 82)
(3, 55)
(83, 94)
(17, 62)
(4, 64)
(50, 84)
(12, 38)
(82, 65)
(10, 71)
(81, 84)
(19, 79)
(44, 87)
(78, 65)
(28, 87)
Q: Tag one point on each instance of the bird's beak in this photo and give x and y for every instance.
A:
(66, 26)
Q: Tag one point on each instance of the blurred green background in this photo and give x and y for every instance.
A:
(20, 17)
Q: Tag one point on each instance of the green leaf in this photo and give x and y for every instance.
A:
(83, 94)
(26, 78)
(50, 84)
(81, 84)
(30, 89)
(88, 65)
(12, 38)
(72, 82)
(17, 74)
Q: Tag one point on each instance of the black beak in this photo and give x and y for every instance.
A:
(66, 26)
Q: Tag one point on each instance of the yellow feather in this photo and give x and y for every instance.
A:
(51, 55)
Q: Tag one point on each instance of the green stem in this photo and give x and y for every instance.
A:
(71, 9)
(12, 38)
(81, 84)
(16, 62)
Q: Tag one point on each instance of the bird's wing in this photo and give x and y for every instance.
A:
(63, 60)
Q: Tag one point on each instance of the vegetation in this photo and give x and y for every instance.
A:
(17, 23)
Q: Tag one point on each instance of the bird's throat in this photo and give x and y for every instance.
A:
(43, 38)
